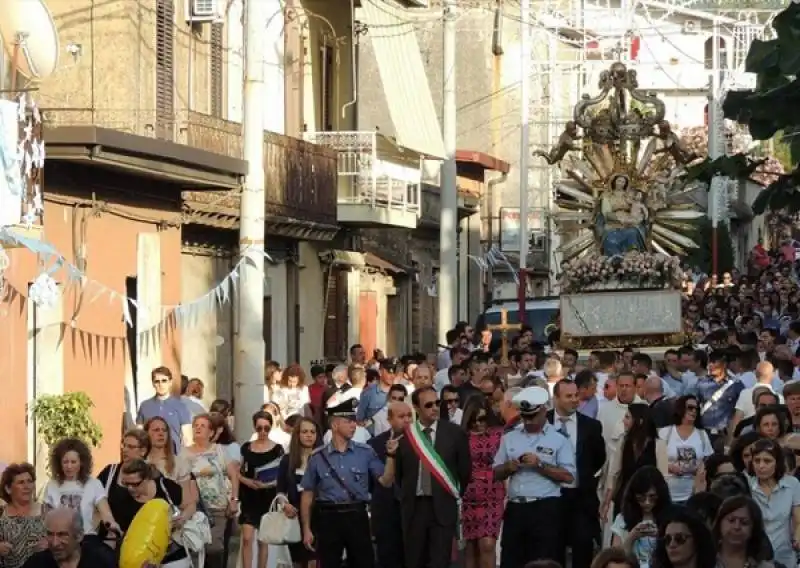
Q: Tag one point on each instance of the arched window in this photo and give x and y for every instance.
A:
(708, 49)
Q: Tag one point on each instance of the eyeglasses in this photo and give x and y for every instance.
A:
(431, 404)
(133, 485)
(451, 401)
(678, 538)
(160, 381)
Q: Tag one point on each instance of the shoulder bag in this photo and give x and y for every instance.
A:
(276, 528)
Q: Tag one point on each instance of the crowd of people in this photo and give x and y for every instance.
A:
(688, 461)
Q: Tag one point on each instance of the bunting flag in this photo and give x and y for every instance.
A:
(183, 314)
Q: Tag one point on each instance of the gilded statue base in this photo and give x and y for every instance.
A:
(620, 341)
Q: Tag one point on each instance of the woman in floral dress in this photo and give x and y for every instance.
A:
(482, 510)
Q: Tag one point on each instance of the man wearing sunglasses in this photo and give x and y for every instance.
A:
(429, 508)
(167, 406)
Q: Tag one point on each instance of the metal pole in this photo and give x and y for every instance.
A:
(249, 352)
(714, 150)
(524, 148)
(447, 289)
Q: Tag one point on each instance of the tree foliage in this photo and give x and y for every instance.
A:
(774, 105)
(66, 416)
(701, 257)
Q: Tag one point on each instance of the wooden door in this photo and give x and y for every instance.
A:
(368, 322)
(336, 318)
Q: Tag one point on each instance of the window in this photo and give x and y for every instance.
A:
(709, 53)
(216, 78)
(165, 79)
(326, 86)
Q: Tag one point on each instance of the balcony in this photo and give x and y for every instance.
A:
(378, 181)
(194, 129)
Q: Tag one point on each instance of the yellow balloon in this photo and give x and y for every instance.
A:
(147, 539)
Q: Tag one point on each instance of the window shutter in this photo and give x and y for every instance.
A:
(216, 70)
(326, 87)
(165, 69)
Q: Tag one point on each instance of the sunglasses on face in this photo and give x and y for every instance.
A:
(480, 418)
(678, 538)
(160, 381)
(451, 401)
(398, 398)
(133, 485)
(431, 404)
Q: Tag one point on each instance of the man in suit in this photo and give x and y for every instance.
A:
(387, 526)
(580, 504)
(429, 510)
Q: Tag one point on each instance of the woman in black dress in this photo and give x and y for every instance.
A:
(260, 460)
(305, 438)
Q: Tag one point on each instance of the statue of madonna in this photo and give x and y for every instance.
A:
(621, 223)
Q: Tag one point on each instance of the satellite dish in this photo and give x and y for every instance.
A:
(27, 29)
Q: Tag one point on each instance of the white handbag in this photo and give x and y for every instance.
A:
(277, 528)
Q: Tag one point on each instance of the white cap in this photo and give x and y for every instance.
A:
(342, 396)
(530, 400)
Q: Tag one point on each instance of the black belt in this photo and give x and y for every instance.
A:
(346, 507)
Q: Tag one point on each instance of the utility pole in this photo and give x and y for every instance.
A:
(249, 349)
(524, 150)
(714, 150)
(447, 285)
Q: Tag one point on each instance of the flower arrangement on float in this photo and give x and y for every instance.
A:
(633, 270)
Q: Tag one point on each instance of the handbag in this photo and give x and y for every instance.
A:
(276, 528)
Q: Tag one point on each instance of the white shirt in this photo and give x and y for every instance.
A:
(571, 422)
(689, 453)
(745, 402)
(602, 378)
(380, 421)
(83, 497)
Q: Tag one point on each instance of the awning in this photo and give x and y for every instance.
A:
(336, 257)
(393, 38)
(381, 264)
(152, 158)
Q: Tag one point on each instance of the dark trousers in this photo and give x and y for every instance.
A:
(427, 543)
(340, 528)
(531, 531)
(580, 529)
(387, 528)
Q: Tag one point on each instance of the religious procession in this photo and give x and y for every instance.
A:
(229, 347)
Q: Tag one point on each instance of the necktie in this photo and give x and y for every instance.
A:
(425, 475)
(563, 430)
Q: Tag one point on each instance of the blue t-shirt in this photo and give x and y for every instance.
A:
(172, 410)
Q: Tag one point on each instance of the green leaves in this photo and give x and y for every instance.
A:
(66, 416)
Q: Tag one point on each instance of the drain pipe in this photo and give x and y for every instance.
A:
(489, 203)
(355, 33)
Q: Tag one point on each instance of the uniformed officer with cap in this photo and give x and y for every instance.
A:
(333, 505)
(536, 459)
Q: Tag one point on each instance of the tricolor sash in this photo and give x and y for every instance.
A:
(433, 463)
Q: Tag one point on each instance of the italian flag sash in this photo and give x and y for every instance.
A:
(432, 462)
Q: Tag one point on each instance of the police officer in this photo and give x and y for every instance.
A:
(333, 506)
(536, 459)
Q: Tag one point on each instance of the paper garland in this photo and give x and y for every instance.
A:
(42, 290)
(492, 258)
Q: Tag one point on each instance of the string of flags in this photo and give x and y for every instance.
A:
(44, 290)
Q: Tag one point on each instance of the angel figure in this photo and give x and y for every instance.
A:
(673, 146)
(566, 142)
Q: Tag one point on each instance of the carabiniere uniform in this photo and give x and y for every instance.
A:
(340, 482)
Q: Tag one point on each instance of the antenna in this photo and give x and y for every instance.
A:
(29, 36)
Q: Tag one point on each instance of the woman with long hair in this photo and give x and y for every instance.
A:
(740, 537)
(257, 479)
(639, 447)
(305, 438)
(645, 501)
(73, 486)
(22, 530)
(687, 446)
(741, 450)
(684, 541)
(294, 390)
(483, 502)
(778, 497)
(162, 456)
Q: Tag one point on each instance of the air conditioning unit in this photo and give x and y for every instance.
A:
(205, 10)
(692, 27)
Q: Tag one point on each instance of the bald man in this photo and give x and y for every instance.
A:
(385, 506)
(66, 547)
(661, 406)
(765, 378)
